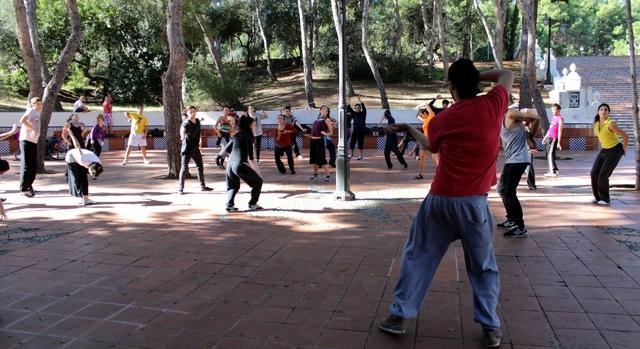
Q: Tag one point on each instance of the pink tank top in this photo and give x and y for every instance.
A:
(555, 124)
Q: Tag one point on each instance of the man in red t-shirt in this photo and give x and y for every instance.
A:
(467, 138)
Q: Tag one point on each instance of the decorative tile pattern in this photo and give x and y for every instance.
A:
(4, 147)
(380, 141)
(267, 142)
(577, 143)
(539, 144)
(159, 143)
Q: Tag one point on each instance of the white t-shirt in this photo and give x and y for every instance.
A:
(83, 157)
(78, 106)
(27, 134)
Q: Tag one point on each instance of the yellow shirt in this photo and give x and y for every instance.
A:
(608, 139)
(138, 123)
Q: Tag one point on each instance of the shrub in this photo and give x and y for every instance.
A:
(204, 84)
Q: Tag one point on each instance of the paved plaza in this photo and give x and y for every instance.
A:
(146, 268)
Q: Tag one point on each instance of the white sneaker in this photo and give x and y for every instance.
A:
(124, 162)
(146, 162)
(300, 157)
(550, 174)
(602, 203)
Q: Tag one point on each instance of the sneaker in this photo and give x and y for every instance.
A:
(533, 187)
(419, 176)
(255, 207)
(28, 193)
(550, 174)
(180, 192)
(506, 224)
(314, 177)
(205, 188)
(602, 203)
(327, 178)
(124, 162)
(516, 232)
(89, 202)
(293, 172)
(231, 209)
(146, 162)
(300, 157)
(492, 337)
(405, 165)
(392, 324)
(359, 158)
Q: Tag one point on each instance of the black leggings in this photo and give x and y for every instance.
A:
(184, 167)
(28, 165)
(551, 155)
(357, 137)
(239, 170)
(78, 180)
(391, 146)
(602, 168)
(507, 186)
(278, 154)
(258, 145)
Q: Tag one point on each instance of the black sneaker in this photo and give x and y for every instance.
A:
(205, 188)
(232, 209)
(516, 232)
(506, 224)
(392, 324)
(492, 337)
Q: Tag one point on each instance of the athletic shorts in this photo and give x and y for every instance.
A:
(137, 140)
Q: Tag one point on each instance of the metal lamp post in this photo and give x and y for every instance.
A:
(343, 191)
(548, 21)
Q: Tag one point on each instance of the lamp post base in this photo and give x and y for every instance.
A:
(345, 196)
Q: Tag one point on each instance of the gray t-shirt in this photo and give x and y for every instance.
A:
(514, 143)
(27, 134)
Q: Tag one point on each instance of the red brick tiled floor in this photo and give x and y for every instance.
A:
(146, 268)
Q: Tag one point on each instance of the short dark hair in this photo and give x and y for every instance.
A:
(464, 78)
(95, 169)
(140, 105)
(4, 166)
(192, 107)
(287, 107)
(445, 102)
(557, 106)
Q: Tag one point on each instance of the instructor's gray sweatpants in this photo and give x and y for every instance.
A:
(439, 222)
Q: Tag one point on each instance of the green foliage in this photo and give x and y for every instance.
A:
(14, 82)
(204, 85)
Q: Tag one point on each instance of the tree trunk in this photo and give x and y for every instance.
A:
(397, 31)
(528, 12)
(499, 39)
(306, 60)
(634, 87)
(211, 46)
(525, 94)
(28, 39)
(171, 86)
(487, 30)
(34, 73)
(437, 10)
(367, 54)
(428, 35)
(264, 41)
(511, 27)
(313, 31)
(466, 32)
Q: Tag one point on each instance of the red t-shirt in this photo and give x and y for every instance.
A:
(106, 107)
(467, 137)
(285, 140)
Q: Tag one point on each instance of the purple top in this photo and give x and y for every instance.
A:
(319, 126)
(97, 133)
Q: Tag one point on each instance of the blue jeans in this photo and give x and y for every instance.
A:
(439, 222)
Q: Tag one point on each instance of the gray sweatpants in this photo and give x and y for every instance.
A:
(439, 222)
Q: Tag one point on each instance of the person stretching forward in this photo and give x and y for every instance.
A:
(81, 162)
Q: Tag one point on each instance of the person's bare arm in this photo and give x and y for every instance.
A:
(514, 115)
(329, 131)
(74, 141)
(625, 138)
(502, 77)
(560, 127)
(14, 130)
(420, 137)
